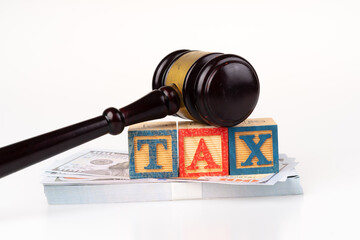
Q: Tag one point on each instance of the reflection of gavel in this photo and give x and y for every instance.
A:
(213, 88)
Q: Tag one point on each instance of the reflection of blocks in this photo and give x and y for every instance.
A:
(253, 147)
(153, 150)
(203, 150)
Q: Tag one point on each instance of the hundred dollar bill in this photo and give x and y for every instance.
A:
(94, 163)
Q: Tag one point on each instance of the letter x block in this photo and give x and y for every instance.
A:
(203, 150)
(153, 150)
(253, 147)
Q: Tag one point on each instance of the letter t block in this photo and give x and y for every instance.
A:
(253, 147)
(203, 150)
(153, 150)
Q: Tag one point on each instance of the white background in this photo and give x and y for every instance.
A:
(62, 62)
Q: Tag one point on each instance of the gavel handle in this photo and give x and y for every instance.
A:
(157, 104)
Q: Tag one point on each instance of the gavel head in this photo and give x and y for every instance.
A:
(214, 88)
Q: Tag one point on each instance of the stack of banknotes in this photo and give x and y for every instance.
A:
(103, 177)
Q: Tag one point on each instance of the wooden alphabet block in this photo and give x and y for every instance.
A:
(203, 150)
(253, 147)
(153, 150)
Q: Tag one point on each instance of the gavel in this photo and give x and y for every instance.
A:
(212, 88)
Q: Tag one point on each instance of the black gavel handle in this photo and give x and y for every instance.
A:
(157, 104)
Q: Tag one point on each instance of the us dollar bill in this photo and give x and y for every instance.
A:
(94, 163)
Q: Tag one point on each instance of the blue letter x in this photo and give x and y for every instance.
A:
(152, 151)
(255, 149)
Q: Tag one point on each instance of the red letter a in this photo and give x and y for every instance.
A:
(202, 148)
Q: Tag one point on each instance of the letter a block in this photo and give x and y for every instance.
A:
(153, 150)
(253, 147)
(203, 150)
